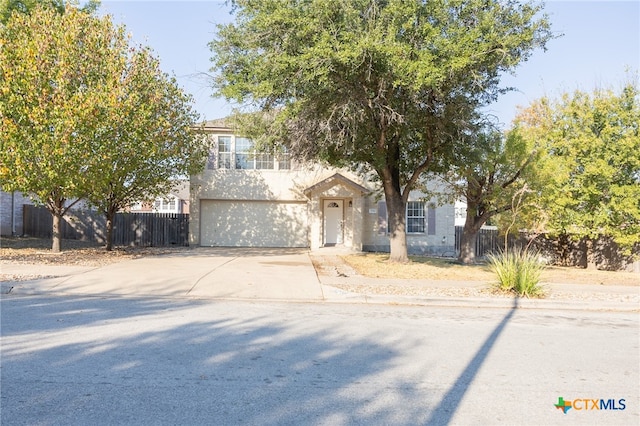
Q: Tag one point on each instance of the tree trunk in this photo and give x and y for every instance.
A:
(109, 231)
(468, 246)
(55, 232)
(590, 253)
(472, 226)
(396, 215)
(397, 228)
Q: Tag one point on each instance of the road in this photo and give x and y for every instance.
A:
(90, 360)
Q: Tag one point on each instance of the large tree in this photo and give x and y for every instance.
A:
(388, 85)
(84, 115)
(50, 66)
(592, 158)
(146, 137)
(488, 172)
(7, 7)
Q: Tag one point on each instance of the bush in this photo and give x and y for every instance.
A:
(518, 272)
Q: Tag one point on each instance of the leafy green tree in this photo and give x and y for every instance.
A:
(387, 86)
(50, 67)
(592, 158)
(7, 7)
(146, 137)
(488, 172)
(86, 116)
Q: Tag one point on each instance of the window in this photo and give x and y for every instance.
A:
(415, 217)
(249, 158)
(239, 153)
(165, 205)
(264, 161)
(284, 159)
(224, 152)
(244, 147)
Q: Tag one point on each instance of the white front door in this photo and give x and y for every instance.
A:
(333, 222)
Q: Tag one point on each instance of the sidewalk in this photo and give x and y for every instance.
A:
(286, 275)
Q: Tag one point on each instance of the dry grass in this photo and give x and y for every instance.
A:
(74, 252)
(558, 274)
(376, 265)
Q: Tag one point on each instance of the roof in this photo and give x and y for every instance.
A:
(337, 179)
(218, 124)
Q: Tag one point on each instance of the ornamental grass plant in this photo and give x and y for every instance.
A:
(518, 271)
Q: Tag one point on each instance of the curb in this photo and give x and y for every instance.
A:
(336, 295)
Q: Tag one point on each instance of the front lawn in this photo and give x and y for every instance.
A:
(376, 265)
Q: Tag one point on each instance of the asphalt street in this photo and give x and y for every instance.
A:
(79, 360)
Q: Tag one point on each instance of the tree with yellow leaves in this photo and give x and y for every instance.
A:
(86, 116)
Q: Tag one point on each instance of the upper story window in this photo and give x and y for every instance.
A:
(234, 152)
(225, 153)
(284, 159)
(166, 204)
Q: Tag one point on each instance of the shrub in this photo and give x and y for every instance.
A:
(518, 272)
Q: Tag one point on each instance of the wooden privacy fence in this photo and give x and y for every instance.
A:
(136, 229)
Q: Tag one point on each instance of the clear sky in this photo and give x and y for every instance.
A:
(601, 39)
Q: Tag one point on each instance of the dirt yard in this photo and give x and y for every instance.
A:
(74, 252)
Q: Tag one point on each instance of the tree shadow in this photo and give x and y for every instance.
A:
(249, 208)
(446, 409)
(139, 361)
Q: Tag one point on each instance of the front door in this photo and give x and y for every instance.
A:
(333, 222)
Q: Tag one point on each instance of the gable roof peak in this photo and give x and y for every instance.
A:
(337, 179)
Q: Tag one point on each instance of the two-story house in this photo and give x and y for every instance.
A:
(176, 201)
(246, 198)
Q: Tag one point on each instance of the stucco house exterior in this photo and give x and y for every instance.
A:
(176, 201)
(249, 199)
(11, 210)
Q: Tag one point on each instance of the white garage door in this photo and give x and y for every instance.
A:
(253, 224)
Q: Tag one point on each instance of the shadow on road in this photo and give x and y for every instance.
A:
(446, 409)
(139, 361)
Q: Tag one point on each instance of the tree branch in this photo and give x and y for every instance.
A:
(519, 172)
(416, 174)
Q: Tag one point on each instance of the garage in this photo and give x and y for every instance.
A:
(225, 223)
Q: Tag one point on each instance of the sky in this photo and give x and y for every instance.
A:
(599, 43)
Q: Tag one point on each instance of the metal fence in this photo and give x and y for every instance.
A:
(130, 229)
(487, 241)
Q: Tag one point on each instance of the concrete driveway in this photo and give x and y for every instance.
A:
(239, 273)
